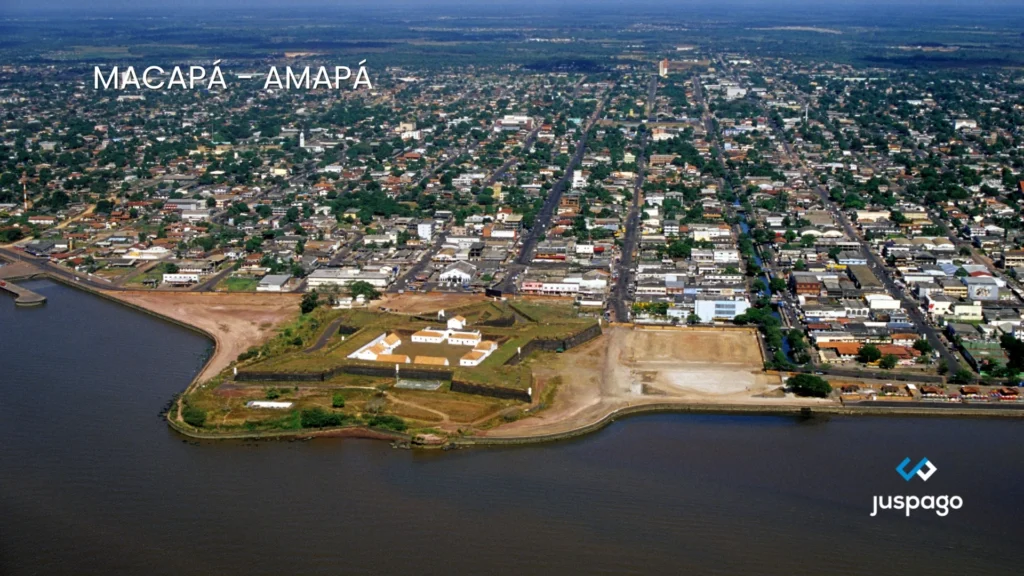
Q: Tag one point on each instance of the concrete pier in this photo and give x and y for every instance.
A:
(23, 296)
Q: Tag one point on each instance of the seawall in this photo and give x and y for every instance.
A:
(740, 409)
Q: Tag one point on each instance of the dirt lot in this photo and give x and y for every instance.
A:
(423, 302)
(702, 361)
(237, 321)
(631, 366)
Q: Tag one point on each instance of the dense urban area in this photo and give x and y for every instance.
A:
(866, 221)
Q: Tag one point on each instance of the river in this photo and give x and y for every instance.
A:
(92, 481)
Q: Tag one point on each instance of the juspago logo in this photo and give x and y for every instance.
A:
(924, 469)
(917, 469)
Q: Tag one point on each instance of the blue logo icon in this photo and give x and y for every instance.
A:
(917, 469)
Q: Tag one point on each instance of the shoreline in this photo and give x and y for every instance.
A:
(793, 411)
(214, 340)
(173, 418)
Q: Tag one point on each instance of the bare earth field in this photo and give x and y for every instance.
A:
(423, 302)
(237, 321)
(635, 366)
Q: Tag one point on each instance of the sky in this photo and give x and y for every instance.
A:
(134, 5)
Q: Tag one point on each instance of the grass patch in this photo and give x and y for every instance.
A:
(238, 284)
(349, 399)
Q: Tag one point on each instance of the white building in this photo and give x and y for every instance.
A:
(458, 273)
(195, 215)
(579, 180)
(882, 302)
(478, 354)
(711, 309)
(724, 256)
(428, 336)
(563, 288)
(964, 123)
(456, 338)
(345, 276)
(181, 279)
(273, 283)
(151, 253)
(383, 344)
(514, 122)
(425, 230)
(453, 337)
(268, 405)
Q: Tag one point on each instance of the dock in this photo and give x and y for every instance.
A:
(23, 296)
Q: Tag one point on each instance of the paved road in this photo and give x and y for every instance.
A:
(331, 330)
(57, 270)
(619, 296)
(543, 218)
(418, 267)
(210, 282)
(878, 266)
(353, 240)
(513, 160)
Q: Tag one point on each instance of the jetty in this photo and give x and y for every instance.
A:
(23, 296)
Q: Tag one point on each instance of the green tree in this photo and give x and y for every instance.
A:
(364, 289)
(310, 301)
(809, 385)
(253, 244)
(962, 376)
(888, 362)
(388, 422)
(320, 418)
(869, 353)
(922, 346)
(194, 416)
(338, 400)
(1014, 351)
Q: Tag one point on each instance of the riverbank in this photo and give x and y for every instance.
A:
(788, 410)
(627, 371)
(632, 370)
(342, 432)
(793, 410)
